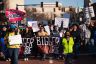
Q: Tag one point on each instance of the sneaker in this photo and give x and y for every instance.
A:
(25, 59)
(9, 59)
(6, 60)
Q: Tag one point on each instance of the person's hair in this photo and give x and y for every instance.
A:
(42, 27)
(78, 27)
(66, 33)
(11, 30)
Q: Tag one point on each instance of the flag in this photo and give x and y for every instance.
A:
(14, 15)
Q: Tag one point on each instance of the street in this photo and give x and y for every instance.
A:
(80, 60)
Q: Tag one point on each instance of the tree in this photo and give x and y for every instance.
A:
(32, 13)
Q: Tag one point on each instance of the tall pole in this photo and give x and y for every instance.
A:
(86, 3)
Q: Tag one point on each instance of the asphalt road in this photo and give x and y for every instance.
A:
(80, 60)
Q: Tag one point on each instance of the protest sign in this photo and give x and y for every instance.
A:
(43, 44)
(27, 44)
(65, 22)
(14, 15)
(16, 39)
(29, 23)
(35, 26)
(47, 29)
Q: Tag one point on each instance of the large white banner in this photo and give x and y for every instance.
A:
(35, 26)
(59, 21)
(16, 39)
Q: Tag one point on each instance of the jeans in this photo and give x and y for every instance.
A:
(13, 53)
(77, 49)
(87, 40)
(3, 47)
(25, 55)
(68, 58)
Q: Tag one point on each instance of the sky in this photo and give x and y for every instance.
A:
(74, 3)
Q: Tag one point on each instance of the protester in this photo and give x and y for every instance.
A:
(13, 49)
(44, 48)
(87, 35)
(2, 41)
(68, 44)
(61, 33)
(77, 40)
(93, 33)
(26, 34)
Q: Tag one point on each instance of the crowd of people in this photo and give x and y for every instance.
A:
(72, 40)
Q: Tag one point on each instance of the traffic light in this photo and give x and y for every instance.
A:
(41, 4)
(56, 4)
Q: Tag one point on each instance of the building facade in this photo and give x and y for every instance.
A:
(50, 9)
(11, 4)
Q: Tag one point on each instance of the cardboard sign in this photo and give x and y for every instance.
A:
(59, 21)
(29, 23)
(47, 29)
(16, 39)
(35, 26)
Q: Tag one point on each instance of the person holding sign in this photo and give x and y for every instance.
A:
(13, 48)
(27, 34)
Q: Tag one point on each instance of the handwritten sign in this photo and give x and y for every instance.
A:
(35, 26)
(59, 21)
(47, 29)
(16, 39)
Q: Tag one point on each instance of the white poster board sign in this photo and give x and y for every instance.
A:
(35, 26)
(87, 15)
(91, 10)
(29, 23)
(47, 29)
(65, 21)
(16, 39)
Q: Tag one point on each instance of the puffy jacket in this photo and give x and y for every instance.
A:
(68, 46)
